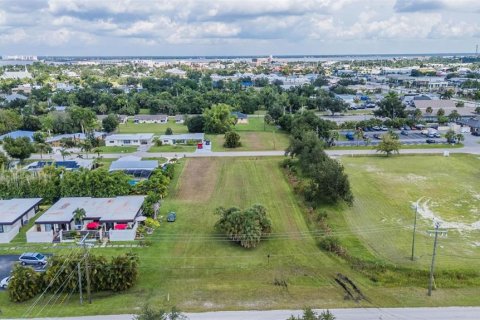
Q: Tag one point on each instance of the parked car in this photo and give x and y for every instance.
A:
(437, 135)
(4, 282)
(33, 258)
(425, 131)
(430, 141)
(383, 128)
(377, 136)
(350, 136)
(376, 128)
(476, 133)
(171, 217)
(404, 132)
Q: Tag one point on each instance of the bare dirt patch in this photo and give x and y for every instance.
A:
(198, 180)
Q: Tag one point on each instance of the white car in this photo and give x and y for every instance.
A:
(4, 282)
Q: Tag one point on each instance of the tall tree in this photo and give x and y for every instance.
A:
(83, 118)
(19, 148)
(110, 123)
(218, 119)
(391, 107)
(388, 145)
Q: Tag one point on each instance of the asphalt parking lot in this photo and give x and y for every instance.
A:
(6, 264)
(414, 137)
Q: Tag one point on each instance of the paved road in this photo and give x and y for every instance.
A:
(472, 149)
(445, 313)
(6, 264)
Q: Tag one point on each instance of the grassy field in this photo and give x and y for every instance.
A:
(155, 128)
(409, 146)
(115, 149)
(198, 270)
(173, 148)
(193, 267)
(253, 141)
(382, 215)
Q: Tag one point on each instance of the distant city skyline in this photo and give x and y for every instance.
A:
(237, 27)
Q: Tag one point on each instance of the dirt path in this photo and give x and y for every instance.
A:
(198, 180)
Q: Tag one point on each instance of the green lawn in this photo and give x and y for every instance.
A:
(116, 149)
(414, 146)
(255, 124)
(193, 267)
(382, 215)
(155, 128)
(253, 141)
(173, 148)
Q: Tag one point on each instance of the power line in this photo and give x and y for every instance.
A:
(436, 232)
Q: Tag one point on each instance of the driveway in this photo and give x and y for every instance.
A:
(6, 264)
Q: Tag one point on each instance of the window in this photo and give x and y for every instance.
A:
(48, 227)
(1, 228)
(111, 141)
(126, 141)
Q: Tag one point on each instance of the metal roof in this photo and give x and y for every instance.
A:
(18, 134)
(133, 136)
(134, 165)
(124, 208)
(186, 136)
(11, 210)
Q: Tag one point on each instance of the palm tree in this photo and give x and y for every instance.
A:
(86, 146)
(460, 137)
(97, 151)
(42, 148)
(78, 215)
(65, 153)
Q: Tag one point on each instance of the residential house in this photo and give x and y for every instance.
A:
(18, 134)
(14, 214)
(134, 139)
(122, 119)
(182, 138)
(179, 118)
(134, 166)
(56, 141)
(150, 118)
(12, 97)
(105, 218)
(176, 72)
(23, 88)
(242, 118)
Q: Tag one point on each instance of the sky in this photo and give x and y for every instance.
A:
(237, 27)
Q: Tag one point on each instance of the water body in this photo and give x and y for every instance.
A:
(286, 58)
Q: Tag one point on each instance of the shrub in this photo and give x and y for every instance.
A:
(232, 140)
(332, 244)
(24, 284)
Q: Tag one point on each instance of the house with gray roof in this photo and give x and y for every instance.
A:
(137, 168)
(112, 218)
(150, 118)
(14, 214)
(182, 138)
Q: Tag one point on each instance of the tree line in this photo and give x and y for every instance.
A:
(53, 183)
(119, 273)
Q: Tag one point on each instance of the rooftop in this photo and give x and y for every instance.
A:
(186, 136)
(18, 134)
(132, 136)
(124, 208)
(11, 210)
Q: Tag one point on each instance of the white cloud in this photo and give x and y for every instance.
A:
(241, 24)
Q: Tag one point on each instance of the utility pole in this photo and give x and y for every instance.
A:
(87, 267)
(80, 282)
(414, 230)
(436, 232)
